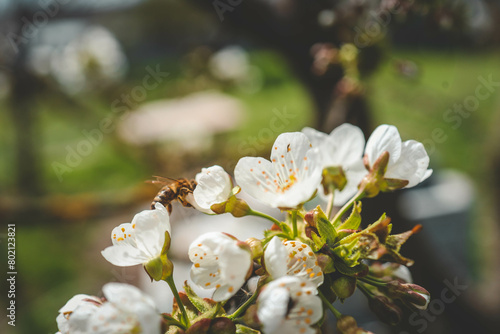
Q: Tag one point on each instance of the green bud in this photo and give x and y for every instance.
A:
(159, 268)
(236, 206)
(326, 263)
(412, 295)
(222, 326)
(256, 247)
(344, 287)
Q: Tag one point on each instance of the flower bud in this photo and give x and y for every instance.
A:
(159, 268)
(250, 317)
(411, 294)
(344, 287)
(200, 327)
(325, 262)
(256, 247)
(222, 326)
(385, 309)
(346, 324)
(236, 206)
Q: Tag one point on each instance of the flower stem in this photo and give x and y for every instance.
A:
(174, 322)
(263, 215)
(373, 281)
(365, 290)
(171, 284)
(244, 307)
(335, 312)
(329, 208)
(359, 195)
(294, 223)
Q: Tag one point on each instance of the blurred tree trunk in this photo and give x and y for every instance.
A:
(23, 114)
(292, 30)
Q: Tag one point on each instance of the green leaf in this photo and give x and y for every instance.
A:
(357, 270)
(240, 329)
(325, 228)
(354, 220)
(201, 305)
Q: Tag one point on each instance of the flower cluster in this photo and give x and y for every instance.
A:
(303, 264)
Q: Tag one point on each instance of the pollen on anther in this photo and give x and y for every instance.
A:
(197, 265)
(231, 289)
(260, 162)
(199, 245)
(123, 229)
(251, 169)
(207, 284)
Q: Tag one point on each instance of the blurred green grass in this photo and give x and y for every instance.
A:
(49, 256)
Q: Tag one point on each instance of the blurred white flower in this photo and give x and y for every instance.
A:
(289, 305)
(141, 240)
(289, 179)
(126, 310)
(407, 160)
(292, 258)
(221, 262)
(214, 187)
(343, 147)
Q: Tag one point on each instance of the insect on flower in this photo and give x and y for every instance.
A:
(173, 189)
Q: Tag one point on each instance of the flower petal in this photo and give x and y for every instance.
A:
(272, 308)
(301, 262)
(384, 138)
(275, 258)
(317, 138)
(150, 228)
(214, 186)
(412, 164)
(347, 143)
(124, 255)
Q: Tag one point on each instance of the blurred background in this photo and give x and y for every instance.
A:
(98, 96)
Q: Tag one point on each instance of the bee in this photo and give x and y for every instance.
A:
(172, 190)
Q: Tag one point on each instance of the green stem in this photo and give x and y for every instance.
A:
(331, 197)
(365, 290)
(245, 305)
(173, 322)
(374, 282)
(335, 312)
(294, 223)
(171, 284)
(263, 215)
(360, 194)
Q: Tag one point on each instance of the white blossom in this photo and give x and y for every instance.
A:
(221, 262)
(125, 310)
(407, 160)
(289, 179)
(214, 186)
(141, 240)
(289, 305)
(292, 258)
(343, 147)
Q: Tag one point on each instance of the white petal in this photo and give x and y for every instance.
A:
(347, 144)
(412, 164)
(272, 308)
(109, 319)
(150, 228)
(302, 262)
(275, 258)
(131, 300)
(214, 186)
(123, 234)
(354, 175)
(384, 138)
(317, 138)
(124, 255)
(289, 180)
(80, 320)
(76, 301)
(256, 177)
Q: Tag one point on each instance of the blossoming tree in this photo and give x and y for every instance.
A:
(301, 267)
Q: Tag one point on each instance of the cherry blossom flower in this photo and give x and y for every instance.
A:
(140, 241)
(292, 258)
(125, 310)
(221, 262)
(289, 179)
(407, 160)
(289, 305)
(214, 187)
(343, 147)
